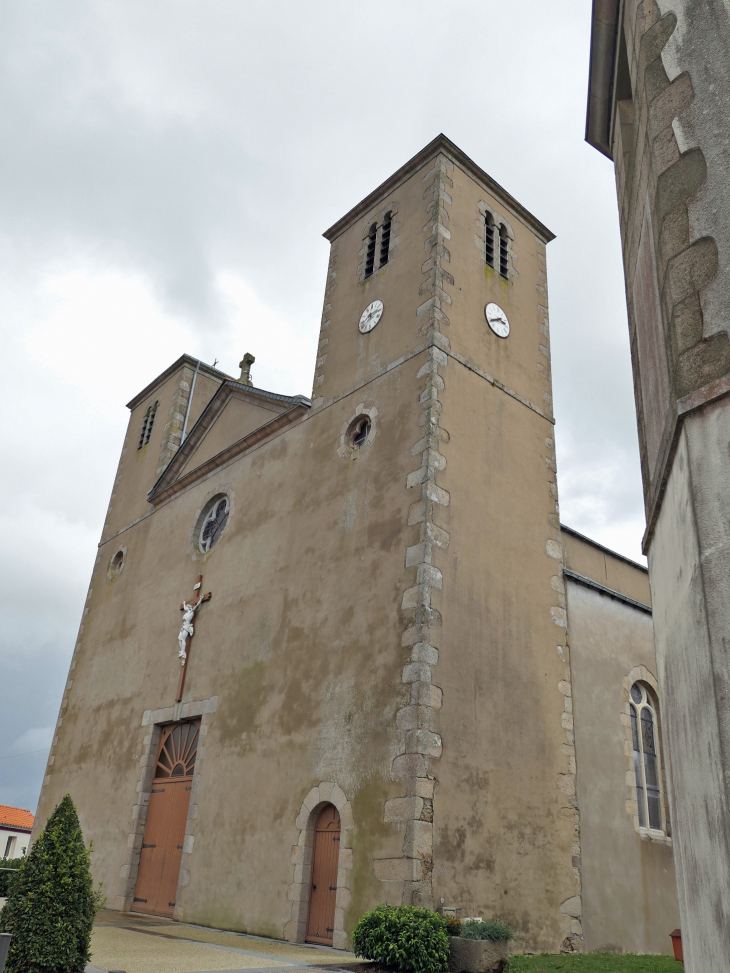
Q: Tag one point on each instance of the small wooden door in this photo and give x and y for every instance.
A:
(321, 922)
(162, 845)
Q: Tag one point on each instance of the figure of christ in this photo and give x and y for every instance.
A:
(187, 630)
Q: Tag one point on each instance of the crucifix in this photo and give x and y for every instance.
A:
(187, 631)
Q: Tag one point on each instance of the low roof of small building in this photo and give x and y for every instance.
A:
(16, 817)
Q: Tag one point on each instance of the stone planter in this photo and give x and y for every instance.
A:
(477, 955)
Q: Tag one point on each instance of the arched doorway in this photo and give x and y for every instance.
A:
(321, 920)
(162, 845)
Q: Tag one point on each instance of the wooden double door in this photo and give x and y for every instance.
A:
(162, 845)
(325, 861)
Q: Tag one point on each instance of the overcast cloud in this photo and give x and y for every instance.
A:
(166, 173)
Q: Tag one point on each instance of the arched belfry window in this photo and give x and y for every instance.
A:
(503, 251)
(147, 424)
(385, 238)
(370, 250)
(647, 767)
(489, 240)
(377, 243)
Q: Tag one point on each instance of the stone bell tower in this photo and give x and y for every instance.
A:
(437, 283)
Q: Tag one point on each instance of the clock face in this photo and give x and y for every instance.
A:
(370, 316)
(497, 320)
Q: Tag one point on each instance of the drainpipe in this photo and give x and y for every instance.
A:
(190, 402)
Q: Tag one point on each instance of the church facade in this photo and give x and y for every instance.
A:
(339, 650)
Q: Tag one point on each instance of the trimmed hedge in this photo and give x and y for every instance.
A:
(7, 877)
(493, 931)
(407, 939)
(52, 903)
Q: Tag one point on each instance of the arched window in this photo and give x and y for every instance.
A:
(647, 770)
(503, 251)
(489, 240)
(370, 250)
(385, 238)
(147, 424)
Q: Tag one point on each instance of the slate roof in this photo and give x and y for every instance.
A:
(16, 817)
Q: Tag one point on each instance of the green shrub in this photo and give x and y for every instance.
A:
(486, 930)
(52, 902)
(402, 937)
(7, 877)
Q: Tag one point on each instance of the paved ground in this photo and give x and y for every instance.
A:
(147, 944)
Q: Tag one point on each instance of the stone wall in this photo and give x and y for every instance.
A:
(659, 106)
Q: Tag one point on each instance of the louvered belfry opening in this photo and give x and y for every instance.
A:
(325, 861)
(162, 845)
(503, 251)
(489, 240)
(147, 424)
(370, 250)
(385, 239)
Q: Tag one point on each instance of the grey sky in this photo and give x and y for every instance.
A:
(166, 174)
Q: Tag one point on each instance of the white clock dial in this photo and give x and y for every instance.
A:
(370, 316)
(497, 320)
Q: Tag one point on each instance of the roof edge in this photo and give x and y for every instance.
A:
(602, 547)
(611, 592)
(604, 24)
(269, 430)
(440, 144)
(190, 442)
(170, 370)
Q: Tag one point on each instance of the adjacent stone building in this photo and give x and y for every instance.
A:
(659, 107)
(402, 680)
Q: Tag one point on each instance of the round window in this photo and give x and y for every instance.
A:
(116, 565)
(213, 523)
(359, 432)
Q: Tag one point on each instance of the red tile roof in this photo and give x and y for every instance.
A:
(16, 817)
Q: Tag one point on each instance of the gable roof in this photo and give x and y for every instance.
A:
(419, 160)
(16, 817)
(173, 479)
(208, 370)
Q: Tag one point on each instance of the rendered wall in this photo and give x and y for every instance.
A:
(629, 891)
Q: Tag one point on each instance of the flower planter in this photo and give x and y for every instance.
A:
(677, 944)
(477, 955)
